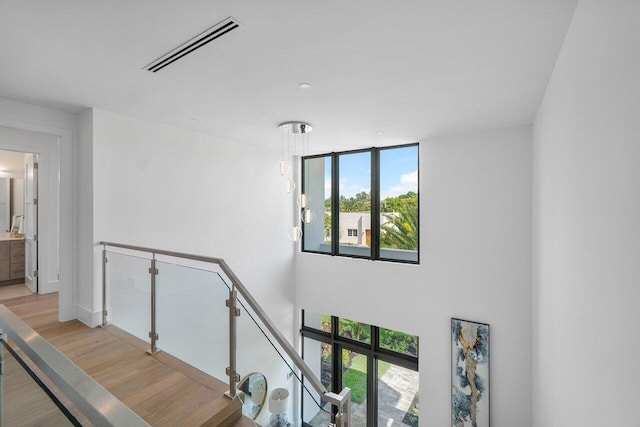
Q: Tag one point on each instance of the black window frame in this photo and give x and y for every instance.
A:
(375, 203)
(372, 350)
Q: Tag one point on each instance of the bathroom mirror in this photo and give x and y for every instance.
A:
(11, 201)
(252, 391)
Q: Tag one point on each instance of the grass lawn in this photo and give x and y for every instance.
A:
(356, 377)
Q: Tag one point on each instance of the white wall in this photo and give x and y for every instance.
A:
(587, 210)
(84, 300)
(50, 134)
(160, 187)
(475, 211)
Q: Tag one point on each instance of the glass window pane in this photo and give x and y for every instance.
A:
(399, 228)
(318, 356)
(355, 204)
(397, 395)
(354, 376)
(317, 189)
(321, 322)
(356, 331)
(399, 342)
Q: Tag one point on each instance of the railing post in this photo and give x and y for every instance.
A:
(234, 312)
(343, 402)
(153, 271)
(104, 286)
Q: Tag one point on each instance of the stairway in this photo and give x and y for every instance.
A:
(161, 389)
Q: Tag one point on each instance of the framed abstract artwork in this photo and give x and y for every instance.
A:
(469, 374)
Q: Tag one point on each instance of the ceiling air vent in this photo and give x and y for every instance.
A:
(194, 44)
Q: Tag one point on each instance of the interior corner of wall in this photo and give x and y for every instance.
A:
(88, 317)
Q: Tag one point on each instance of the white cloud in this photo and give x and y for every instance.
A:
(408, 182)
(350, 189)
(410, 178)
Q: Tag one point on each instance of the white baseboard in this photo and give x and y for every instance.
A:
(48, 287)
(88, 317)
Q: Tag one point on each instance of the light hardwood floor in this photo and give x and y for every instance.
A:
(160, 388)
(13, 291)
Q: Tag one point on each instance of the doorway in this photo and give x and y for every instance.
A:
(39, 155)
(18, 221)
(51, 137)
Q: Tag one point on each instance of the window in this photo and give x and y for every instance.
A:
(379, 365)
(318, 234)
(370, 203)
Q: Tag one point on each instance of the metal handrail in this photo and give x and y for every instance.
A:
(339, 400)
(237, 283)
(93, 400)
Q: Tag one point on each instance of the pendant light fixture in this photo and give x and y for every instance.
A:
(296, 133)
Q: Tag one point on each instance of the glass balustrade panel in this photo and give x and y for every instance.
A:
(355, 376)
(192, 320)
(129, 293)
(319, 356)
(23, 402)
(259, 352)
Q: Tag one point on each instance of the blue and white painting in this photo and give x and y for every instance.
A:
(469, 374)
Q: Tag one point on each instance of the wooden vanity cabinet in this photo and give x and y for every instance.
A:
(11, 260)
(5, 260)
(17, 259)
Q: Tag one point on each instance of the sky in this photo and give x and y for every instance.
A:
(398, 172)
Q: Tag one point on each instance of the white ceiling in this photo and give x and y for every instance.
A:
(412, 69)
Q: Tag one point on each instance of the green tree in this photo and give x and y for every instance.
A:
(394, 204)
(360, 202)
(401, 229)
(355, 330)
(399, 341)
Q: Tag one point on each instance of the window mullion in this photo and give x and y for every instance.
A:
(372, 391)
(337, 372)
(335, 205)
(372, 384)
(374, 354)
(375, 338)
(375, 204)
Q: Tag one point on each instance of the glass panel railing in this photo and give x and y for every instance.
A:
(192, 319)
(73, 394)
(257, 351)
(24, 399)
(180, 301)
(129, 293)
(355, 374)
(319, 357)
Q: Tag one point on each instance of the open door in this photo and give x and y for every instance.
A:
(31, 223)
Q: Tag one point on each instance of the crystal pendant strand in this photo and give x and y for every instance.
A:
(289, 183)
(281, 167)
(303, 201)
(307, 215)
